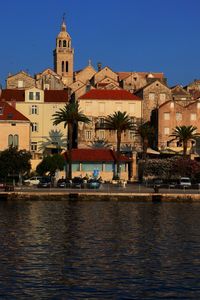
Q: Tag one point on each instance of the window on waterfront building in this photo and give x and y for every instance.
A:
(151, 96)
(66, 66)
(16, 140)
(63, 66)
(34, 95)
(193, 116)
(33, 146)
(34, 109)
(166, 130)
(37, 96)
(101, 134)
(178, 116)
(88, 134)
(34, 127)
(10, 140)
(166, 116)
(162, 96)
(20, 84)
(30, 95)
(101, 107)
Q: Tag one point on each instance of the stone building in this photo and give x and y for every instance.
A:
(21, 81)
(97, 105)
(176, 113)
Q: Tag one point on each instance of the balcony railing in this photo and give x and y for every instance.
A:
(99, 125)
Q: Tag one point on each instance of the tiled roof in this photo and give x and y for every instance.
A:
(109, 95)
(49, 95)
(124, 75)
(8, 112)
(13, 94)
(55, 96)
(95, 155)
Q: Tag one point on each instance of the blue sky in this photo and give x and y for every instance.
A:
(126, 35)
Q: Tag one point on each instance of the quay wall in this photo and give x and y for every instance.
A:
(138, 197)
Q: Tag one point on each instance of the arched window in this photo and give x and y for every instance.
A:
(16, 140)
(59, 43)
(66, 66)
(64, 43)
(10, 140)
(63, 66)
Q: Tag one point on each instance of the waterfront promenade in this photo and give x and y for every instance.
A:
(134, 192)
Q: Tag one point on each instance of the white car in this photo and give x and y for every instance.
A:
(185, 182)
(33, 180)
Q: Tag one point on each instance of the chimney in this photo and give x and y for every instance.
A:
(99, 66)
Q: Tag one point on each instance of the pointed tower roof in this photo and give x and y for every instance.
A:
(63, 33)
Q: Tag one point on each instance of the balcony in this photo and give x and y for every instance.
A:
(100, 125)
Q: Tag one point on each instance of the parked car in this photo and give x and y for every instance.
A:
(93, 184)
(33, 180)
(64, 183)
(45, 182)
(78, 182)
(185, 182)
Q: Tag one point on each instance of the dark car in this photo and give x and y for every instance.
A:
(45, 182)
(64, 183)
(77, 182)
(93, 184)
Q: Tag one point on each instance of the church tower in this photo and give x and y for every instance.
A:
(64, 56)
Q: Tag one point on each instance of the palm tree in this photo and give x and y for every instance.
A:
(70, 115)
(120, 122)
(100, 143)
(146, 132)
(184, 134)
(56, 139)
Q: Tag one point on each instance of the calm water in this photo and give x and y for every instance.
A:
(99, 250)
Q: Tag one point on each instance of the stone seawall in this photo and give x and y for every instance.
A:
(139, 197)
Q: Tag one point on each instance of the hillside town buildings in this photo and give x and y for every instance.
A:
(100, 91)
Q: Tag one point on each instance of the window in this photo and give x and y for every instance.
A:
(151, 96)
(34, 127)
(101, 134)
(33, 146)
(132, 135)
(10, 140)
(1, 110)
(118, 106)
(131, 108)
(101, 107)
(34, 95)
(88, 135)
(162, 96)
(13, 140)
(20, 84)
(166, 130)
(66, 66)
(193, 116)
(64, 43)
(178, 116)
(34, 109)
(63, 63)
(16, 140)
(166, 116)
(30, 95)
(59, 43)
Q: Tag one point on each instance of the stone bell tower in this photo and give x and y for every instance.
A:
(64, 56)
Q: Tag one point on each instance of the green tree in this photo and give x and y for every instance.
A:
(50, 164)
(146, 132)
(70, 115)
(55, 139)
(14, 162)
(100, 143)
(119, 122)
(184, 134)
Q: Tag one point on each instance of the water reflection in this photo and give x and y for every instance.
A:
(99, 250)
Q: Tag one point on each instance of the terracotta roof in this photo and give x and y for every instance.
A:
(55, 96)
(13, 94)
(109, 95)
(49, 95)
(124, 75)
(95, 155)
(8, 112)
